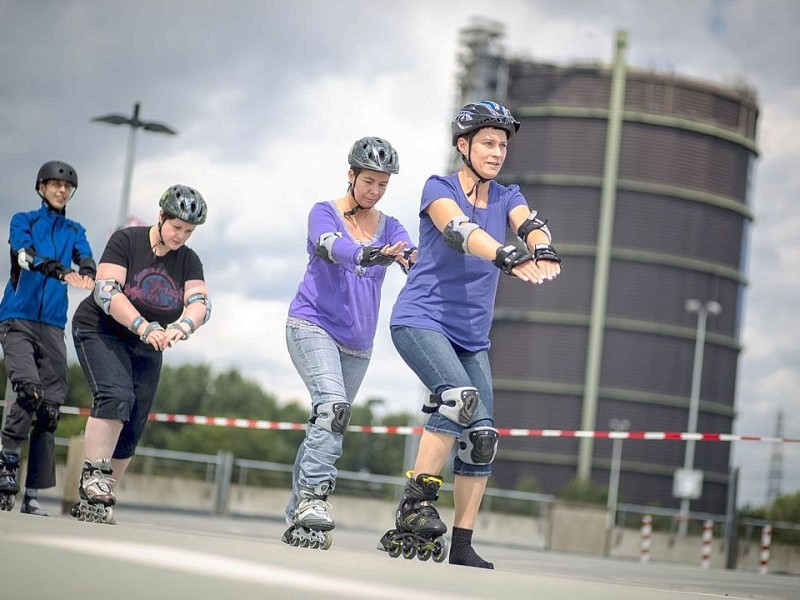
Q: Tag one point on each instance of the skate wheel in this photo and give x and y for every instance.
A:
(439, 549)
(328, 541)
(424, 553)
(409, 549)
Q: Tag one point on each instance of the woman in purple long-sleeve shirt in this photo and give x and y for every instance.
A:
(332, 322)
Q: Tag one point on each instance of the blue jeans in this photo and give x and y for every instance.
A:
(123, 375)
(330, 376)
(441, 366)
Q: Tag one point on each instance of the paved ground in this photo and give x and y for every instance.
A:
(160, 555)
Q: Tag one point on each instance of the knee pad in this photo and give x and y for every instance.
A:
(29, 395)
(47, 417)
(333, 416)
(478, 445)
(457, 404)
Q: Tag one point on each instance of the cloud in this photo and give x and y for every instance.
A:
(267, 98)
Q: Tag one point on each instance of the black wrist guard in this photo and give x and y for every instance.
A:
(407, 255)
(545, 252)
(53, 268)
(87, 268)
(372, 256)
(508, 257)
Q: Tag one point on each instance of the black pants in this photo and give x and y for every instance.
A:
(34, 353)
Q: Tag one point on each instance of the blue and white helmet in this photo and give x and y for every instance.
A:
(478, 115)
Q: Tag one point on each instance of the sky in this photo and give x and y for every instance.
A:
(267, 98)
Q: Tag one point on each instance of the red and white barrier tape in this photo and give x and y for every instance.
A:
(507, 432)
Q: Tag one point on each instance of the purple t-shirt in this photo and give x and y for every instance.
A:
(343, 298)
(451, 292)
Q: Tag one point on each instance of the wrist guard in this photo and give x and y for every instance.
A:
(179, 325)
(545, 252)
(151, 327)
(407, 255)
(508, 257)
(53, 268)
(137, 322)
(87, 268)
(371, 256)
(532, 223)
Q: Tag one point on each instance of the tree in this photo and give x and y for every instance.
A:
(584, 491)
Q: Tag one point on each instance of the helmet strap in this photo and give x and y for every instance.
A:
(160, 241)
(468, 162)
(352, 190)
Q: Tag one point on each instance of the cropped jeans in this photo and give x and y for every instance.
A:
(440, 366)
(330, 375)
(123, 375)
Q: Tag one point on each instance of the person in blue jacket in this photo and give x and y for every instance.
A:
(33, 313)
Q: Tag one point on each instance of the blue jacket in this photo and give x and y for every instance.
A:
(55, 242)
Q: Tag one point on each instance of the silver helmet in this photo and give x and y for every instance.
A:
(184, 203)
(374, 154)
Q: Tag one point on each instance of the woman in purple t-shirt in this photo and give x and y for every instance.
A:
(440, 326)
(332, 322)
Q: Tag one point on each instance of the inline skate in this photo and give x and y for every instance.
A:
(312, 523)
(96, 489)
(419, 530)
(9, 487)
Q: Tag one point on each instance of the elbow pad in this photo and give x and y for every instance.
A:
(324, 247)
(456, 233)
(104, 291)
(200, 297)
(26, 258)
(532, 223)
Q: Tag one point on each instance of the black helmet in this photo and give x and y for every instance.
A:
(477, 115)
(374, 154)
(55, 169)
(184, 203)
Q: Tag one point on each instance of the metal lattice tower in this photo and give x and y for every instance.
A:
(482, 67)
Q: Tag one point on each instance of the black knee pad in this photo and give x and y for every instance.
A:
(47, 417)
(478, 445)
(29, 395)
(333, 416)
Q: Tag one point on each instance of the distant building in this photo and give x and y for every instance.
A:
(649, 204)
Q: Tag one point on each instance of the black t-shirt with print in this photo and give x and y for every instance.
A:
(153, 284)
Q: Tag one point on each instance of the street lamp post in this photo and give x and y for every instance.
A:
(703, 309)
(134, 122)
(613, 478)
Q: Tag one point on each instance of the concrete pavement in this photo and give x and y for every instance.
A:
(169, 555)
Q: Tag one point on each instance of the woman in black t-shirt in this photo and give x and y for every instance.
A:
(149, 294)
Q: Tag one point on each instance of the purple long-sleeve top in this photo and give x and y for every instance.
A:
(343, 298)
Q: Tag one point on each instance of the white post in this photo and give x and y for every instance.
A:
(708, 536)
(766, 540)
(647, 530)
(703, 310)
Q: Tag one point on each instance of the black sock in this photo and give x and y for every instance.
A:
(462, 552)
